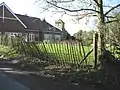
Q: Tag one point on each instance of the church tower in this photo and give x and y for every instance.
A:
(61, 25)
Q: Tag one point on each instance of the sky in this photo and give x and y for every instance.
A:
(30, 8)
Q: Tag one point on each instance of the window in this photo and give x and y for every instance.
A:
(13, 34)
(31, 37)
(47, 37)
(19, 34)
(57, 37)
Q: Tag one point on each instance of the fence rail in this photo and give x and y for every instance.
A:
(63, 54)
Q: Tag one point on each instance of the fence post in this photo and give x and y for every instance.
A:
(95, 47)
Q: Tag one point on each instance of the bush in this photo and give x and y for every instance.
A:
(7, 52)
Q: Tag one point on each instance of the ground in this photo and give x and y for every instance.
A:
(7, 83)
(34, 81)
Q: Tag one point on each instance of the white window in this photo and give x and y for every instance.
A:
(31, 37)
(13, 34)
(57, 37)
(47, 36)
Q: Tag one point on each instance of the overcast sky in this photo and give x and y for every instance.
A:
(31, 9)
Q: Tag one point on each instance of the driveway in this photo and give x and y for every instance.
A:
(6, 83)
(12, 78)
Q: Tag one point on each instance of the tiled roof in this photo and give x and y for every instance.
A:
(17, 22)
(48, 27)
(32, 23)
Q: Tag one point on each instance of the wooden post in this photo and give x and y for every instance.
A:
(95, 47)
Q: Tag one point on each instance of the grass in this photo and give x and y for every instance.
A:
(62, 53)
(57, 53)
(66, 52)
(7, 52)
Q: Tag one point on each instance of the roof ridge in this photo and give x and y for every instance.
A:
(27, 16)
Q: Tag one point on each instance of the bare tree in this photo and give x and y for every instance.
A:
(81, 9)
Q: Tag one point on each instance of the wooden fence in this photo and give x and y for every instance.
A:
(68, 53)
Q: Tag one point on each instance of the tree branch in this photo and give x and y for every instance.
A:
(82, 15)
(96, 2)
(72, 10)
(64, 1)
(110, 17)
(112, 21)
(111, 9)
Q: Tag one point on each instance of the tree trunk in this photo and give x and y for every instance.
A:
(101, 26)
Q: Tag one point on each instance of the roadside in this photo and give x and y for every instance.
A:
(36, 82)
(6, 83)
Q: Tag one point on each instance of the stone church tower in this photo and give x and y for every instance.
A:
(61, 25)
